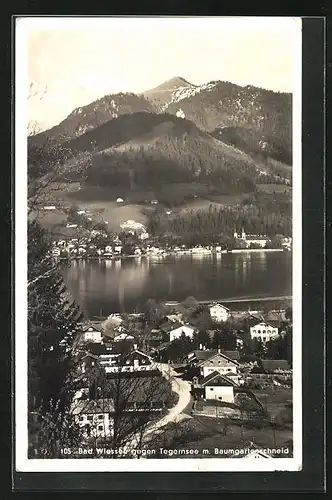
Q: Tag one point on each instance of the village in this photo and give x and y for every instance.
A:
(134, 241)
(183, 364)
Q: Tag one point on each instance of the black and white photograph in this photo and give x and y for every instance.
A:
(158, 244)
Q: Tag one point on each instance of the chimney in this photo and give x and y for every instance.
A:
(204, 347)
(219, 350)
(200, 347)
(135, 347)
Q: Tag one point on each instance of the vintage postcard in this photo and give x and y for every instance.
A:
(158, 244)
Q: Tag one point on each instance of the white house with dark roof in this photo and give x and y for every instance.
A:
(218, 312)
(134, 361)
(176, 330)
(91, 334)
(263, 331)
(218, 362)
(94, 417)
(217, 386)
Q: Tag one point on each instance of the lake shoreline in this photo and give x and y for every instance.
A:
(166, 254)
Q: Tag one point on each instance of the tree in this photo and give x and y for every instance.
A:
(154, 311)
(258, 348)
(224, 339)
(289, 313)
(134, 403)
(52, 318)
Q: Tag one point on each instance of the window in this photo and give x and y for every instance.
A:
(81, 419)
(264, 339)
(100, 427)
(100, 417)
(269, 331)
(264, 331)
(211, 388)
(229, 369)
(258, 331)
(219, 397)
(90, 417)
(254, 331)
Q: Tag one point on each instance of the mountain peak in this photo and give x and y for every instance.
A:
(173, 83)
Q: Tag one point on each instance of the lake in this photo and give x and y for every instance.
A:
(102, 287)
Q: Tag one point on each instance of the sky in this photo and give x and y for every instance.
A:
(82, 59)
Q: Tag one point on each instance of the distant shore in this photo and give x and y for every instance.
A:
(235, 300)
(172, 253)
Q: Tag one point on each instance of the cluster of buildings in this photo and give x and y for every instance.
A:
(113, 376)
(112, 353)
(86, 247)
(221, 375)
(261, 327)
(261, 241)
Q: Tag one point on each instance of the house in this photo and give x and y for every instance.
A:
(143, 235)
(88, 362)
(202, 354)
(91, 334)
(218, 362)
(215, 386)
(218, 313)
(118, 248)
(94, 416)
(179, 330)
(134, 361)
(286, 243)
(252, 239)
(275, 366)
(263, 331)
(160, 348)
(174, 318)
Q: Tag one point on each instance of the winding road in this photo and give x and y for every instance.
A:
(182, 388)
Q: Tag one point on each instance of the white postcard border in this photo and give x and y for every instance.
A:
(23, 464)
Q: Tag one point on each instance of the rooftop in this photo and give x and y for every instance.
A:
(88, 406)
(214, 377)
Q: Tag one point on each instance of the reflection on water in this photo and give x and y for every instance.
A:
(121, 285)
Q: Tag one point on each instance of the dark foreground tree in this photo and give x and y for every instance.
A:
(121, 409)
(52, 318)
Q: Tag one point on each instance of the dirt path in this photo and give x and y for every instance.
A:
(182, 388)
